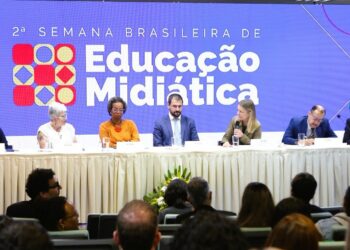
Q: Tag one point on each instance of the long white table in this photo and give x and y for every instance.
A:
(104, 181)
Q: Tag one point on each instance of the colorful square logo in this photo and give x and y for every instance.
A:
(43, 73)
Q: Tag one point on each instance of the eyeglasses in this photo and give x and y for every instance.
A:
(56, 185)
(116, 110)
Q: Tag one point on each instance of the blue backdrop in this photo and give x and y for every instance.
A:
(285, 57)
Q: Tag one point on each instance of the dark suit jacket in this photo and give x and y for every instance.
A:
(22, 209)
(182, 217)
(3, 139)
(346, 137)
(163, 132)
(299, 125)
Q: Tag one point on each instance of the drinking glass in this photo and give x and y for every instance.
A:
(235, 140)
(301, 139)
(105, 142)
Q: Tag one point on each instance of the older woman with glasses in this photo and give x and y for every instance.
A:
(57, 132)
(116, 128)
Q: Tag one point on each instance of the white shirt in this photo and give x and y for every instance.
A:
(65, 137)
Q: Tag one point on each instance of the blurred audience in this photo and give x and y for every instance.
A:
(41, 184)
(117, 128)
(57, 132)
(257, 206)
(289, 206)
(176, 198)
(209, 231)
(24, 236)
(199, 196)
(294, 232)
(325, 225)
(57, 214)
(137, 227)
(303, 187)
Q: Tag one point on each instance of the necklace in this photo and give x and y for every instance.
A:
(117, 126)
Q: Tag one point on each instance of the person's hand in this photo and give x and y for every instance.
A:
(226, 144)
(309, 142)
(237, 132)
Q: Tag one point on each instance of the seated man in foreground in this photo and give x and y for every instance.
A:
(137, 227)
(41, 184)
(313, 125)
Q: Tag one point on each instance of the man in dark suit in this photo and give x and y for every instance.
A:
(41, 184)
(174, 128)
(346, 137)
(199, 196)
(313, 125)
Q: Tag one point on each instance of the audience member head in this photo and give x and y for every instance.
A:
(247, 114)
(208, 231)
(115, 105)
(303, 187)
(175, 103)
(346, 202)
(42, 183)
(315, 116)
(137, 227)
(57, 214)
(4, 221)
(257, 206)
(294, 232)
(176, 193)
(289, 206)
(24, 236)
(198, 192)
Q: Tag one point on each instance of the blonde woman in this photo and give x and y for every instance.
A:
(244, 125)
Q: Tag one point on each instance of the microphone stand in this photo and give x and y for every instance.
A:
(337, 114)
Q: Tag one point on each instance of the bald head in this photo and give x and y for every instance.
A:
(137, 226)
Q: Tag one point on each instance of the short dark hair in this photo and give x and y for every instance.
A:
(139, 232)
(38, 181)
(346, 202)
(50, 211)
(304, 187)
(198, 190)
(175, 96)
(113, 100)
(25, 236)
(288, 206)
(176, 193)
(209, 231)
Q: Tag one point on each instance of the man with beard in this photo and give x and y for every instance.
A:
(314, 125)
(174, 128)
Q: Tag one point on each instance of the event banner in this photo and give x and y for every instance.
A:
(285, 58)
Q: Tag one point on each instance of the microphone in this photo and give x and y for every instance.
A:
(237, 124)
(337, 114)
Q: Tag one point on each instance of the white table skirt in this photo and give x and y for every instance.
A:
(102, 182)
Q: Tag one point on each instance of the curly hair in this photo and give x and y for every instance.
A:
(176, 193)
(113, 100)
(38, 181)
